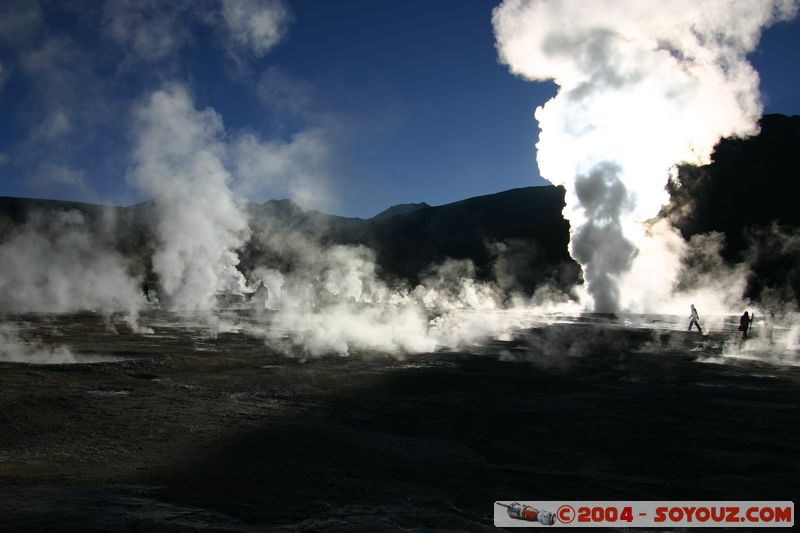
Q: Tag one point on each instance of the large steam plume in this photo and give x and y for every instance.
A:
(642, 86)
(180, 161)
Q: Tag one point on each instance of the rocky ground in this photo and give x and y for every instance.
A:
(192, 431)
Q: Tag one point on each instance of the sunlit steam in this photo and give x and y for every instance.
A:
(642, 86)
(180, 161)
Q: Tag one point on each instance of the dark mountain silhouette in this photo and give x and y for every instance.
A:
(521, 225)
(748, 193)
(400, 209)
(517, 236)
(750, 182)
(523, 228)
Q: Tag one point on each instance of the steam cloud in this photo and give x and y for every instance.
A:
(256, 25)
(180, 162)
(318, 299)
(58, 265)
(15, 349)
(642, 86)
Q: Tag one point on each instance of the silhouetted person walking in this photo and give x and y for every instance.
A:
(744, 324)
(694, 320)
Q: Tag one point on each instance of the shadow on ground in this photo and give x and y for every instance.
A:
(258, 441)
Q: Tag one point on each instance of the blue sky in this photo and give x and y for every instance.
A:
(349, 106)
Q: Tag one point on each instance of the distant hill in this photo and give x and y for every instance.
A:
(750, 182)
(400, 209)
(524, 225)
(525, 222)
(749, 193)
(520, 231)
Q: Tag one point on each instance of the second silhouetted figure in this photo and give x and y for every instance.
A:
(744, 324)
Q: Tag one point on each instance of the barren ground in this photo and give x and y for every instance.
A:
(197, 432)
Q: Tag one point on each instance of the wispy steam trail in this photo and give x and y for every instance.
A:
(642, 86)
(13, 348)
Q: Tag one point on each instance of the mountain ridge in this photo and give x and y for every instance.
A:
(748, 194)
